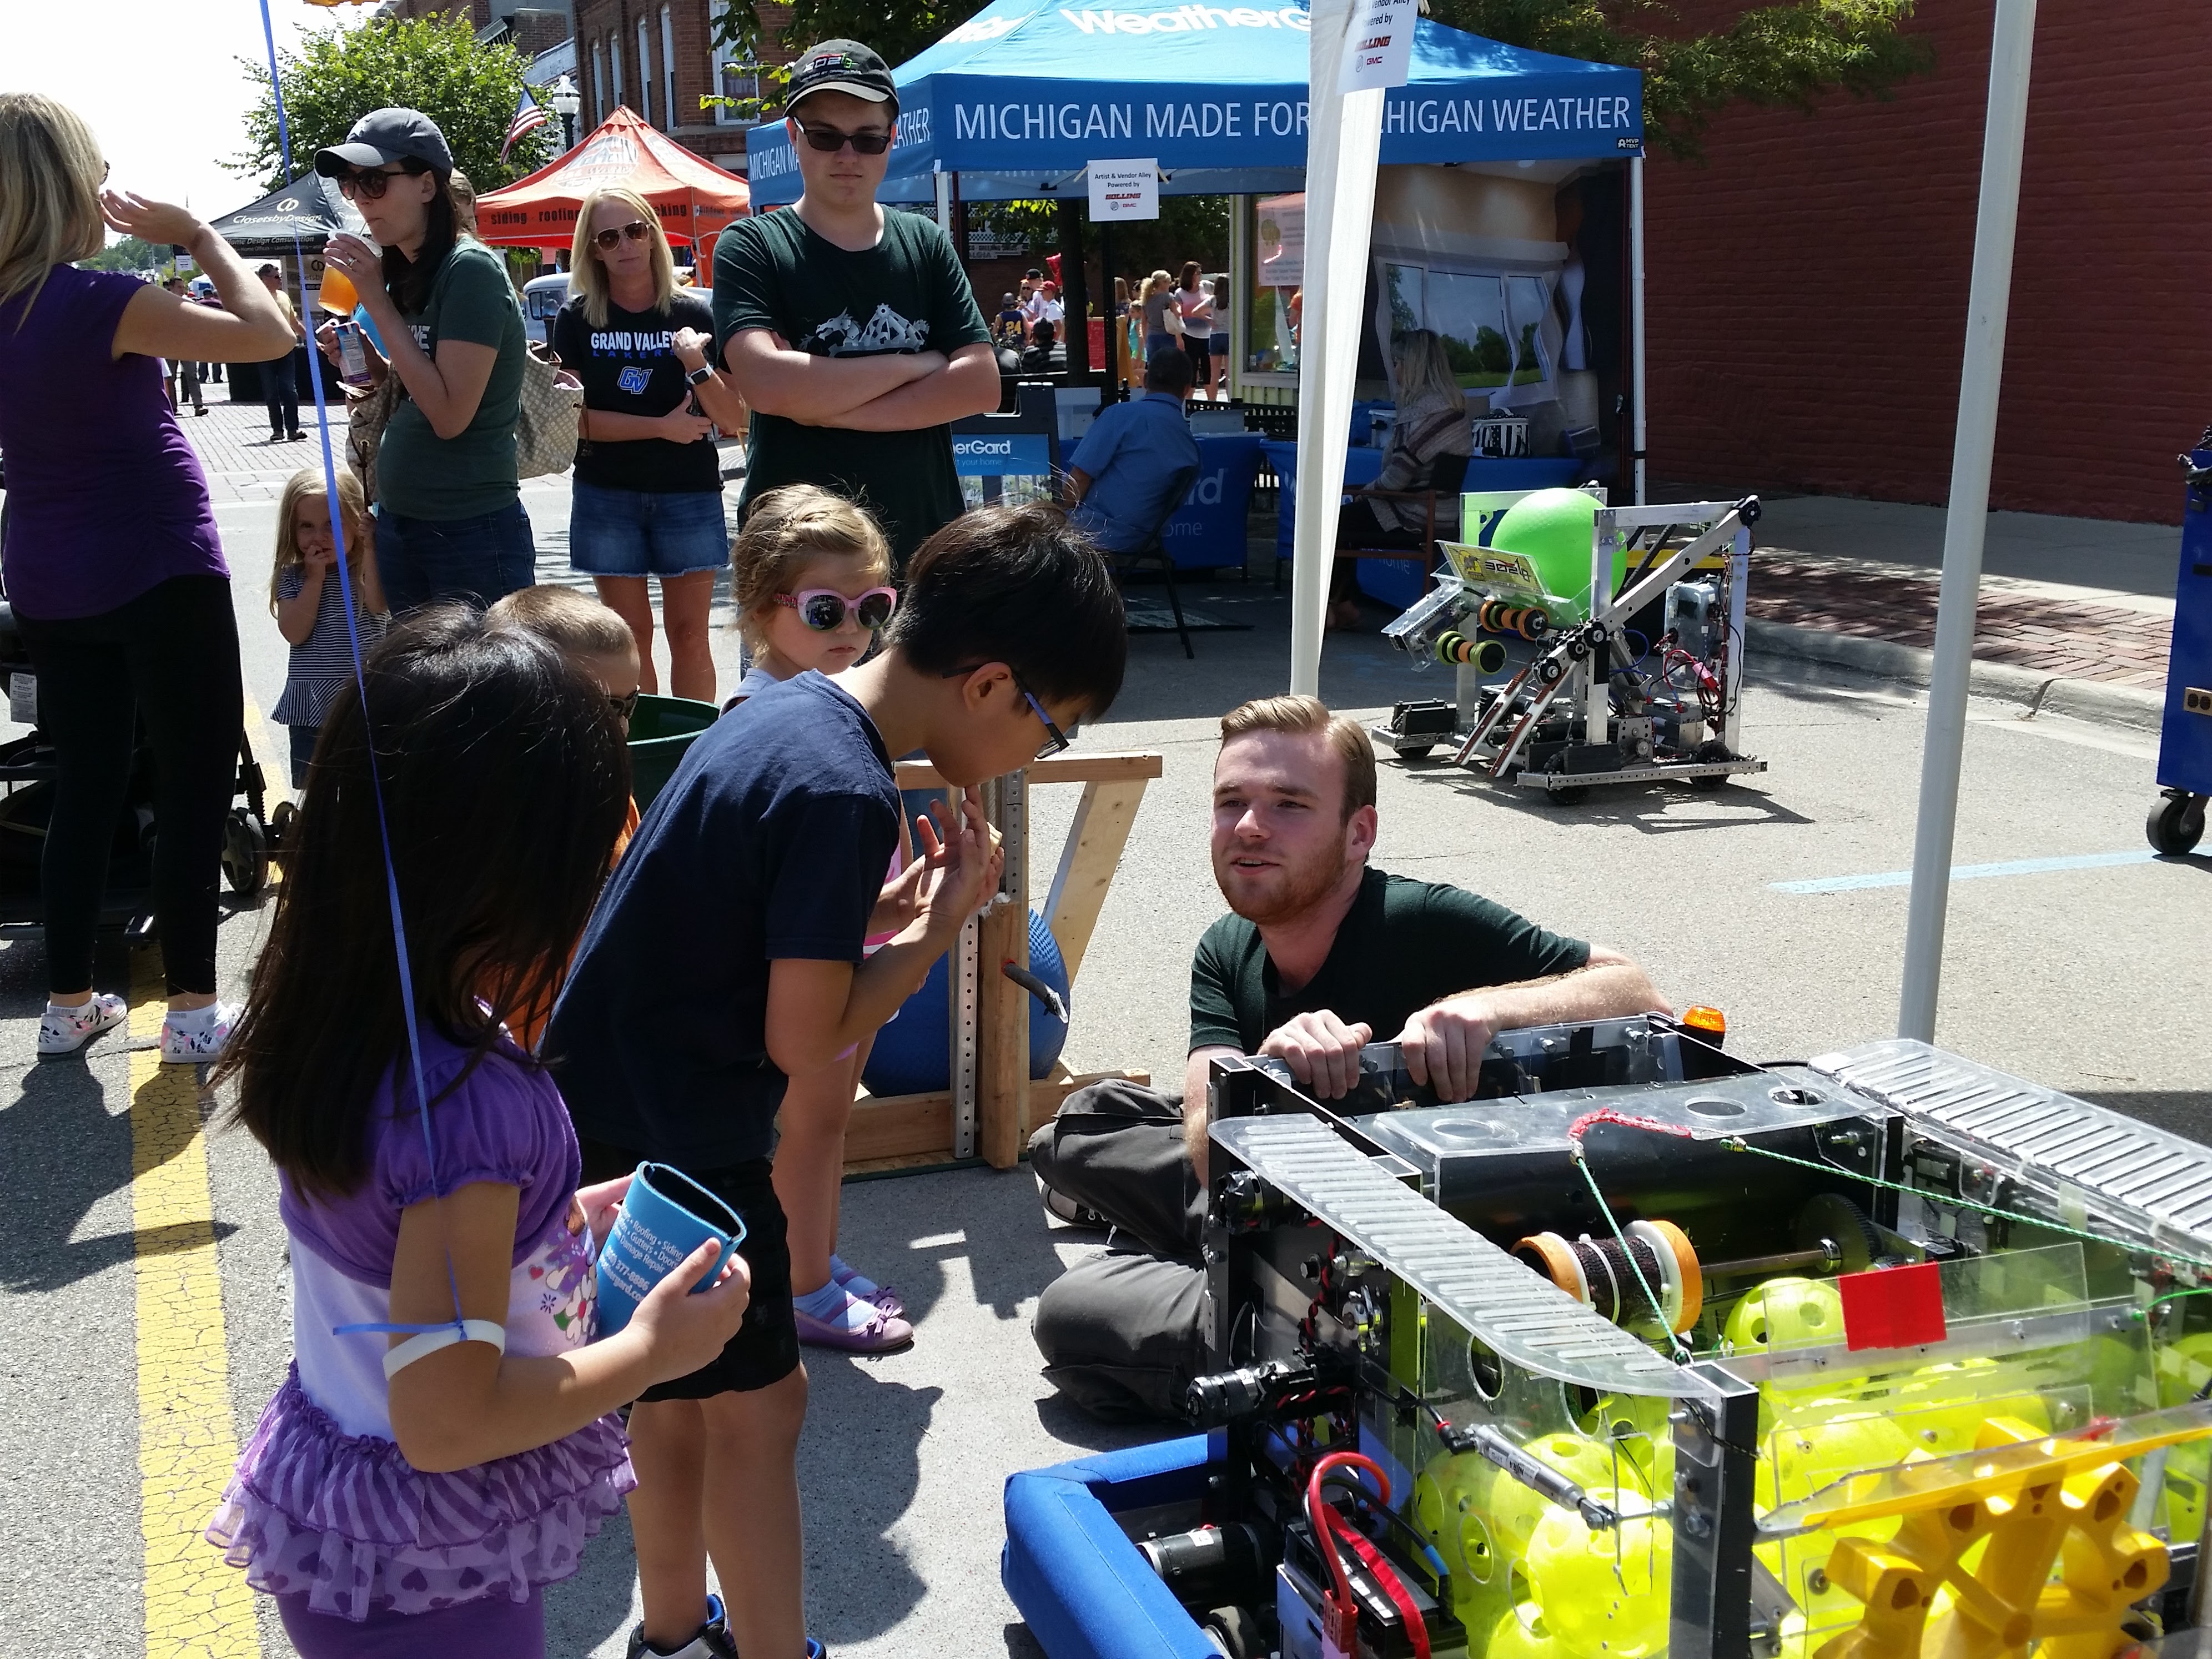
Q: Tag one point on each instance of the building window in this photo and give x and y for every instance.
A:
(735, 77)
(614, 52)
(598, 81)
(668, 112)
(645, 73)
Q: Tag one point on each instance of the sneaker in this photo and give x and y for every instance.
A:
(198, 1037)
(710, 1641)
(1060, 1204)
(64, 1031)
(876, 1331)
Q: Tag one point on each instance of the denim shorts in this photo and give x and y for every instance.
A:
(480, 559)
(646, 532)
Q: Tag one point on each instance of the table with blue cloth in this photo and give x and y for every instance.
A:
(1401, 581)
(1208, 530)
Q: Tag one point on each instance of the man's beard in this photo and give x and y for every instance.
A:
(1303, 886)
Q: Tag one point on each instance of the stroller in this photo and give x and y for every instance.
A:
(27, 772)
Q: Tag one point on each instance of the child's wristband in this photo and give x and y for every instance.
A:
(429, 1342)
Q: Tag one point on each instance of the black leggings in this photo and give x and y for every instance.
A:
(173, 652)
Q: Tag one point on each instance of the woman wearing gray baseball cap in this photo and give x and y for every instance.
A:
(450, 520)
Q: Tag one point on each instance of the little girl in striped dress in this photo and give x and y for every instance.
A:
(305, 598)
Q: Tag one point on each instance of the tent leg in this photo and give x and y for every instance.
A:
(1074, 290)
(1344, 143)
(1635, 318)
(1972, 451)
(1115, 326)
(944, 181)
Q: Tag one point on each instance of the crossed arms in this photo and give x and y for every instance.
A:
(896, 392)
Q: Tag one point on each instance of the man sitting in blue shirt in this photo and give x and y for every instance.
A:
(1119, 478)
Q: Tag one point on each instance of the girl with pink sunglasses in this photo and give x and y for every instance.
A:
(812, 588)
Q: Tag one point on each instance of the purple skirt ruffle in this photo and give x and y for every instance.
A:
(346, 1520)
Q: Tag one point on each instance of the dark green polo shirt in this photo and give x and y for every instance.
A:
(1402, 945)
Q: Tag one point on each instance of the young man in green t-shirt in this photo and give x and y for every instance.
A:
(1320, 956)
(852, 332)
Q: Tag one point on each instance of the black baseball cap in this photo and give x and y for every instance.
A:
(845, 66)
(386, 135)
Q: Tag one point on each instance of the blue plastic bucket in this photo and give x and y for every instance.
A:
(664, 1216)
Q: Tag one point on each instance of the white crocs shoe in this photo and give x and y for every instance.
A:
(198, 1037)
(64, 1031)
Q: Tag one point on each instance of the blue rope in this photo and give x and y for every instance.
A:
(361, 684)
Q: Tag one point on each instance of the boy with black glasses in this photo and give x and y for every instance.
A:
(852, 332)
(752, 883)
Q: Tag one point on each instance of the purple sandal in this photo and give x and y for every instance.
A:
(885, 1298)
(880, 1333)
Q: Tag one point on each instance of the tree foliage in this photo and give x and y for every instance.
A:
(431, 64)
(1776, 55)
(1188, 227)
(1783, 55)
(130, 253)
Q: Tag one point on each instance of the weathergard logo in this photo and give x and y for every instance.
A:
(977, 30)
(1186, 20)
(979, 455)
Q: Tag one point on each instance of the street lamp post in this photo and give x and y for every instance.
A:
(566, 102)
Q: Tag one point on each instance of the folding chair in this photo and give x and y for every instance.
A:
(1155, 547)
(1446, 474)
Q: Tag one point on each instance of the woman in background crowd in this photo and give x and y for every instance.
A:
(648, 482)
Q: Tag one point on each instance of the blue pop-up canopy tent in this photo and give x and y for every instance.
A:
(1019, 99)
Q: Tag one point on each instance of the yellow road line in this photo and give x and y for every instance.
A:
(197, 1607)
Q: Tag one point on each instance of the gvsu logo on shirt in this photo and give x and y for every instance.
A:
(633, 380)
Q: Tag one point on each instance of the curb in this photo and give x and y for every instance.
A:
(2098, 700)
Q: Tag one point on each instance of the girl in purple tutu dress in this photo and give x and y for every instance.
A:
(413, 1493)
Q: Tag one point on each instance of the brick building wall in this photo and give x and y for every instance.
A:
(600, 24)
(1806, 285)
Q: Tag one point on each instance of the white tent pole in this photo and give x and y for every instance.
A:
(1636, 317)
(2012, 47)
(945, 201)
(1344, 141)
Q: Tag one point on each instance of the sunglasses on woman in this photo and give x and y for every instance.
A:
(635, 231)
(369, 184)
(823, 609)
(830, 141)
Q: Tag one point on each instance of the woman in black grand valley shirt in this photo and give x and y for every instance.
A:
(648, 484)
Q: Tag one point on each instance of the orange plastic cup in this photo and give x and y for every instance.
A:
(337, 293)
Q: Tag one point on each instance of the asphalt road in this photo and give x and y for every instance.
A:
(2088, 979)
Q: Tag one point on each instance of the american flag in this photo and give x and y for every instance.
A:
(529, 116)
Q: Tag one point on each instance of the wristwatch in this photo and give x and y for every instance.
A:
(699, 376)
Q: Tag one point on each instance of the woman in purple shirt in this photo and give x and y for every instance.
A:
(113, 566)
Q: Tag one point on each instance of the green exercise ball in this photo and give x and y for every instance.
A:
(1551, 529)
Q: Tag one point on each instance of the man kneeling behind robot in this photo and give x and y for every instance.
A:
(1320, 955)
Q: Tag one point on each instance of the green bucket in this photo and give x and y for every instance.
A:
(661, 730)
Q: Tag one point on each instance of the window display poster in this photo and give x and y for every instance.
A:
(1124, 190)
(1282, 238)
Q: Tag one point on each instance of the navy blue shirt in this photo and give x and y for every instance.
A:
(770, 842)
(1130, 455)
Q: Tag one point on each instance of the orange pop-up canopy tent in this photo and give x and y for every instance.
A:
(694, 198)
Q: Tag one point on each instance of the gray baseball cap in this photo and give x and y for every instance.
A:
(386, 135)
